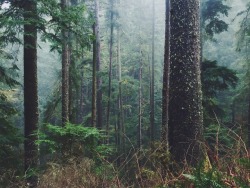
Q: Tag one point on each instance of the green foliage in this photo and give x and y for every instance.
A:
(75, 19)
(10, 140)
(210, 179)
(72, 140)
(244, 31)
(242, 95)
(10, 22)
(211, 21)
(105, 171)
(215, 78)
(6, 75)
(218, 179)
(244, 163)
(213, 131)
(10, 136)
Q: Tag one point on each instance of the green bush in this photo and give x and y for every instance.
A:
(72, 141)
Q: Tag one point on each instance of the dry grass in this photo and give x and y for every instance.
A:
(78, 173)
(231, 167)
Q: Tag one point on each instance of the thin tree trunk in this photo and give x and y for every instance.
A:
(81, 102)
(98, 68)
(152, 91)
(72, 94)
(121, 130)
(65, 70)
(139, 131)
(94, 91)
(30, 90)
(110, 67)
(165, 90)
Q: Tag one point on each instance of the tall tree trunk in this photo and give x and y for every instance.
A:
(185, 106)
(165, 90)
(94, 89)
(121, 129)
(139, 131)
(98, 68)
(121, 112)
(72, 93)
(30, 90)
(65, 70)
(110, 65)
(81, 101)
(152, 102)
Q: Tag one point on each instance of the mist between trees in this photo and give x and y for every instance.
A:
(114, 93)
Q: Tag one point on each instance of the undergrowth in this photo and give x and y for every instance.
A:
(90, 164)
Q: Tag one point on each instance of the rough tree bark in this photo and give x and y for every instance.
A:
(65, 70)
(185, 106)
(30, 90)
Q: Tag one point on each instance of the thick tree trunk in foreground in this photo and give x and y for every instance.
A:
(65, 70)
(30, 90)
(185, 106)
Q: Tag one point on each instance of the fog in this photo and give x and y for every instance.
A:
(135, 18)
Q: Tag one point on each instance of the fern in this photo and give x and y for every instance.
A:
(210, 179)
(76, 139)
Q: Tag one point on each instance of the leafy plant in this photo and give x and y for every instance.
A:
(210, 179)
(72, 140)
(215, 78)
(10, 135)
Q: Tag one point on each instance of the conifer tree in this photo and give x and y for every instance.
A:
(185, 106)
(65, 69)
(30, 90)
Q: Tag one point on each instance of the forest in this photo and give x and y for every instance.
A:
(125, 93)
